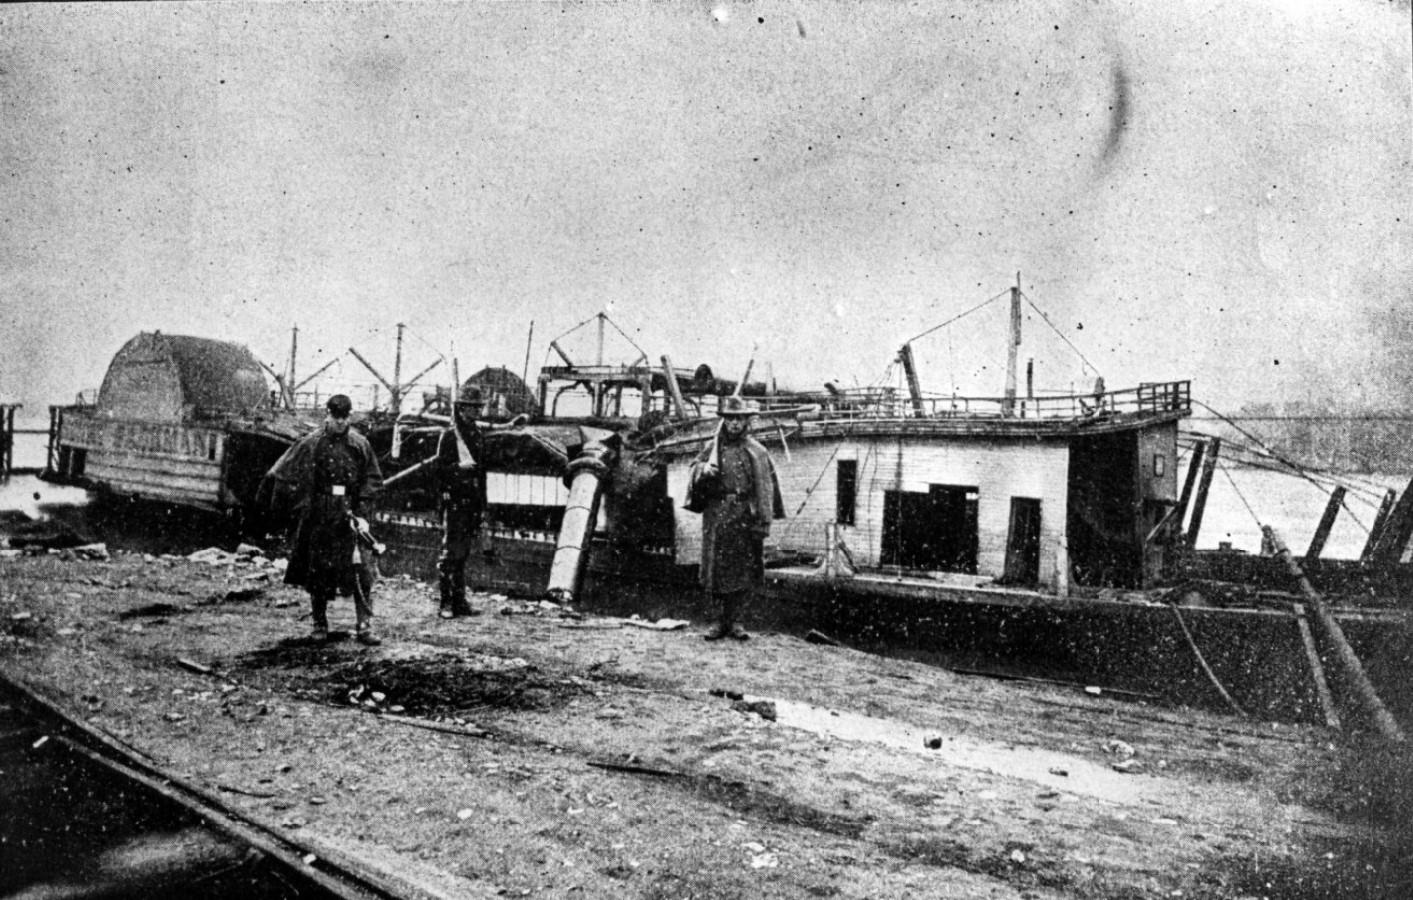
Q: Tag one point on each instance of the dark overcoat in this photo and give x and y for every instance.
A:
(329, 476)
(740, 501)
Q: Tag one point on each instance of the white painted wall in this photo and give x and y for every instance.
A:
(999, 470)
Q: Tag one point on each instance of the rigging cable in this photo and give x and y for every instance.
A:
(1082, 357)
(958, 316)
(1296, 467)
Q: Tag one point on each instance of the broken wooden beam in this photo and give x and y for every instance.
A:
(1317, 668)
(1322, 531)
(1353, 669)
(1381, 519)
(1194, 465)
(1199, 502)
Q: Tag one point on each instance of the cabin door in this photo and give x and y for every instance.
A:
(1023, 544)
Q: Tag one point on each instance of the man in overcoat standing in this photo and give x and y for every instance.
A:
(733, 481)
(462, 489)
(332, 474)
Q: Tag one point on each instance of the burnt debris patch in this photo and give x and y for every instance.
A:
(444, 685)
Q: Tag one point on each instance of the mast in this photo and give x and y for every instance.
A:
(1008, 406)
(293, 355)
(396, 389)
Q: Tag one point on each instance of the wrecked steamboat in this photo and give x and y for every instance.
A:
(178, 419)
(997, 529)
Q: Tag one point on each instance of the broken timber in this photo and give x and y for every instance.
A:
(1349, 661)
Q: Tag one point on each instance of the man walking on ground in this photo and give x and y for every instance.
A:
(462, 485)
(332, 474)
(735, 484)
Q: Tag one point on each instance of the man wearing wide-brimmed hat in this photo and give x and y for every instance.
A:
(735, 480)
(332, 474)
(462, 488)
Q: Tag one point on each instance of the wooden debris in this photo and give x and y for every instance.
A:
(193, 666)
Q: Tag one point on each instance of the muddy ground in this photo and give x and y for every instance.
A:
(525, 752)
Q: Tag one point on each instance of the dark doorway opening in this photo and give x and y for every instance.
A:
(1023, 543)
(935, 530)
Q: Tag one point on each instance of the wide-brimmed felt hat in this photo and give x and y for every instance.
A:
(737, 407)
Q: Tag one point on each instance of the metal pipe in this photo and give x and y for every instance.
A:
(585, 475)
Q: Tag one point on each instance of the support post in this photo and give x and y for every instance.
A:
(1199, 503)
(1322, 531)
(1353, 669)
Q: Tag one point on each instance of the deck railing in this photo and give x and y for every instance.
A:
(887, 403)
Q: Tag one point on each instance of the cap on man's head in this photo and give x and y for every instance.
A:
(735, 407)
(339, 406)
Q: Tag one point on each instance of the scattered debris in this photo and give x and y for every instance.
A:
(932, 741)
(193, 666)
(763, 708)
(819, 637)
(1118, 748)
(658, 625)
(729, 695)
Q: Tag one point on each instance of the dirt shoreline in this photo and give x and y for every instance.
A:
(521, 753)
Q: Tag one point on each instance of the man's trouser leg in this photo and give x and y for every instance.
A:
(363, 597)
(457, 538)
(319, 608)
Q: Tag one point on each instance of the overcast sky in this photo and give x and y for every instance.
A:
(1214, 191)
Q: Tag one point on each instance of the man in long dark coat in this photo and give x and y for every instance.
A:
(462, 484)
(735, 478)
(332, 475)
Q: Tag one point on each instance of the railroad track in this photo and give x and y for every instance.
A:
(83, 815)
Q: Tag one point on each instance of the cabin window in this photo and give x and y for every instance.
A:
(846, 491)
(211, 447)
(1160, 464)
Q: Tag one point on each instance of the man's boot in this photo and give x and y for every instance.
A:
(319, 607)
(726, 624)
(445, 610)
(730, 609)
(364, 635)
(459, 606)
